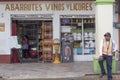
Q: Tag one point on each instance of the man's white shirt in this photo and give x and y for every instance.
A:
(101, 46)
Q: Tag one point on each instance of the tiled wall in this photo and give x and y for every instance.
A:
(5, 59)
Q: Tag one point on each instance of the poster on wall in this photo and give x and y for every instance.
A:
(2, 27)
(67, 52)
(13, 42)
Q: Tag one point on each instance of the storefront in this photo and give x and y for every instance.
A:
(79, 30)
(45, 21)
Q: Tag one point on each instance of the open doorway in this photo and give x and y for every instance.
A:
(35, 37)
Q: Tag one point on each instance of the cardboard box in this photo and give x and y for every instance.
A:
(79, 51)
(76, 44)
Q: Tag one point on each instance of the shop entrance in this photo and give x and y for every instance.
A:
(35, 37)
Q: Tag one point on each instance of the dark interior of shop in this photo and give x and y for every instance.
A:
(35, 37)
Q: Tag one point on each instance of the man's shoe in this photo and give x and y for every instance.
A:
(110, 79)
(101, 75)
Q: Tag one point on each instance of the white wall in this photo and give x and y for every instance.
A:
(56, 23)
(104, 23)
(115, 31)
(4, 36)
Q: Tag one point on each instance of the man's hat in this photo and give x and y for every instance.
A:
(107, 34)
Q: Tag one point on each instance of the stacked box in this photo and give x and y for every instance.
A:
(79, 51)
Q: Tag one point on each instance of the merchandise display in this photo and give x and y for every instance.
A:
(75, 51)
(89, 36)
(78, 36)
(83, 32)
(74, 35)
(92, 44)
(76, 44)
(47, 42)
(79, 51)
(40, 38)
(66, 29)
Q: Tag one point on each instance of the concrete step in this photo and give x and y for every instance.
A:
(86, 77)
(96, 77)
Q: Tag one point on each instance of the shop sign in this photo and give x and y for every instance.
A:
(76, 6)
(78, 16)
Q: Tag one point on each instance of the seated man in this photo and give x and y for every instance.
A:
(107, 51)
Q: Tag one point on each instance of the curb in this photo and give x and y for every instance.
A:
(44, 78)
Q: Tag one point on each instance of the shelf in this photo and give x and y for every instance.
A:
(77, 47)
(29, 29)
(90, 40)
(39, 32)
(40, 38)
(66, 32)
(90, 23)
(47, 40)
(77, 40)
(74, 25)
(47, 50)
(89, 48)
(47, 34)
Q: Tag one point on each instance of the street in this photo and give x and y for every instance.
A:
(47, 71)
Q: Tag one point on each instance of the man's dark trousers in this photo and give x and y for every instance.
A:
(109, 66)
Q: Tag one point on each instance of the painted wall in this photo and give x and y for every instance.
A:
(104, 23)
(47, 8)
(4, 36)
(5, 18)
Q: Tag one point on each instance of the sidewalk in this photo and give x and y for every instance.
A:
(47, 70)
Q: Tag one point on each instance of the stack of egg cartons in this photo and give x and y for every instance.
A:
(86, 36)
(78, 36)
(92, 46)
(86, 44)
(66, 29)
(91, 36)
(74, 35)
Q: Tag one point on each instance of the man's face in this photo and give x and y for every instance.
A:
(107, 38)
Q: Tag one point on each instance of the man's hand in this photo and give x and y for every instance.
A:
(100, 58)
(113, 53)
